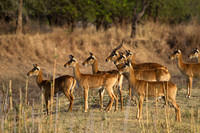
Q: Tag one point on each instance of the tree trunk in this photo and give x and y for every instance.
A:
(19, 19)
(137, 17)
(133, 28)
(156, 14)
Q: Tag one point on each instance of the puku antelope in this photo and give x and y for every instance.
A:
(189, 69)
(114, 54)
(92, 60)
(91, 81)
(146, 71)
(64, 84)
(195, 54)
(144, 89)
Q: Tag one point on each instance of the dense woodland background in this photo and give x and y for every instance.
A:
(101, 13)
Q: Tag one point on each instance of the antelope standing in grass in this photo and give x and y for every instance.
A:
(145, 71)
(144, 89)
(189, 69)
(114, 55)
(91, 81)
(195, 54)
(92, 60)
(64, 84)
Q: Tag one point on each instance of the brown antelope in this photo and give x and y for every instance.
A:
(144, 89)
(114, 54)
(92, 60)
(189, 69)
(144, 71)
(195, 54)
(64, 84)
(91, 81)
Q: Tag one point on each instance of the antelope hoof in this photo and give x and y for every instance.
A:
(187, 96)
(107, 109)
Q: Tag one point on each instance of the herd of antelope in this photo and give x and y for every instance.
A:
(145, 80)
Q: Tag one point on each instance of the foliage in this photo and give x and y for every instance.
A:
(100, 12)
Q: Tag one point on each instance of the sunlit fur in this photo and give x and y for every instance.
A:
(94, 81)
(144, 89)
(189, 69)
(64, 84)
(146, 71)
(92, 60)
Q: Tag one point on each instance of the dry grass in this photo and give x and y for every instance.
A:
(153, 43)
(32, 119)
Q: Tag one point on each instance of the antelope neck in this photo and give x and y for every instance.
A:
(198, 58)
(39, 79)
(76, 71)
(180, 62)
(132, 75)
(95, 67)
(132, 61)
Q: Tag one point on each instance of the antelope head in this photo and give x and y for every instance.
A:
(125, 67)
(90, 60)
(129, 55)
(114, 54)
(71, 63)
(35, 71)
(194, 54)
(122, 59)
(175, 55)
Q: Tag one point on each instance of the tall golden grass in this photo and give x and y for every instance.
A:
(153, 43)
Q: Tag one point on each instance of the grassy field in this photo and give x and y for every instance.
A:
(156, 116)
(153, 43)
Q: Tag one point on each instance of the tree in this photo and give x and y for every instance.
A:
(137, 16)
(19, 18)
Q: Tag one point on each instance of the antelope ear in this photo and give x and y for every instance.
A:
(35, 65)
(179, 51)
(71, 56)
(91, 54)
(197, 50)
